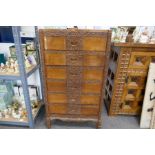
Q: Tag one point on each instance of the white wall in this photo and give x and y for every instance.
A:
(4, 48)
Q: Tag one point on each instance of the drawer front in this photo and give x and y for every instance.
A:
(55, 58)
(74, 73)
(58, 109)
(74, 110)
(93, 74)
(90, 99)
(75, 40)
(56, 73)
(56, 86)
(89, 110)
(74, 58)
(57, 98)
(93, 60)
(54, 43)
(91, 87)
(94, 43)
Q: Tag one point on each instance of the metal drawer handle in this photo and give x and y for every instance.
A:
(74, 43)
(74, 73)
(73, 59)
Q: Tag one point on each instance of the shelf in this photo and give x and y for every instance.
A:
(24, 122)
(13, 76)
(131, 44)
(130, 97)
(32, 70)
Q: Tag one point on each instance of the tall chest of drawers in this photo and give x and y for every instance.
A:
(74, 66)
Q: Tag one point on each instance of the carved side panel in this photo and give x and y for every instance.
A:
(121, 75)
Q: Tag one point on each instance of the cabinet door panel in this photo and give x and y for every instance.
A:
(141, 59)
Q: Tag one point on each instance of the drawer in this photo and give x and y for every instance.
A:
(56, 73)
(54, 43)
(56, 86)
(90, 99)
(55, 58)
(94, 43)
(74, 59)
(58, 109)
(93, 60)
(74, 73)
(74, 110)
(91, 87)
(57, 98)
(93, 74)
(89, 110)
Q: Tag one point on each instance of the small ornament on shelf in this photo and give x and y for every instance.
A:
(144, 38)
(30, 46)
(119, 34)
(144, 34)
(152, 39)
(27, 62)
(2, 67)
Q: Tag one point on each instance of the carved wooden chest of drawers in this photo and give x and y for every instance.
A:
(73, 63)
(125, 84)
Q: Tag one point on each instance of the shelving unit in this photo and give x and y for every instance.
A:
(23, 76)
(126, 78)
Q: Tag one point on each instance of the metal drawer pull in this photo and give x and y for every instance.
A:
(73, 100)
(74, 43)
(74, 73)
(73, 59)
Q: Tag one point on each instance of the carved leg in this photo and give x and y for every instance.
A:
(98, 125)
(48, 122)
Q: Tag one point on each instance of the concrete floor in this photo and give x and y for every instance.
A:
(116, 122)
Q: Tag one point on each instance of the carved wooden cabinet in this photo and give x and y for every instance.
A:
(126, 78)
(73, 63)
